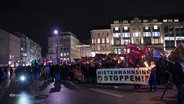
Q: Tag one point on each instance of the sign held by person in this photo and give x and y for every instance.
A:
(123, 75)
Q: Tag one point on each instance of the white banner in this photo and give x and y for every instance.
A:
(123, 75)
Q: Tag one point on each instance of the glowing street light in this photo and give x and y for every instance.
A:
(56, 32)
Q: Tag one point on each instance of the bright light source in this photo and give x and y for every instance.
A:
(146, 64)
(22, 78)
(55, 31)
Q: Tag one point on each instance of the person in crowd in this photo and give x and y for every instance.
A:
(161, 70)
(35, 70)
(11, 72)
(152, 80)
(47, 73)
(57, 73)
(178, 79)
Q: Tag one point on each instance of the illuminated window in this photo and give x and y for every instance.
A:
(147, 34)
(146, 27)
(125, 21)
(137, 34)
(93, 41)
(61, 54)
(107, 39)
(115, 51)
(164, 20)
(64, 54)
(116, 21)
(119, 51)
(156, 34)
(116, 28)
(155, 27)
(126, 35)
(98, 47)
(22, 49)
(103, 40)
(98, 40)
(145, 20)
(176, 20)
(155, 20)
(125, 28)
(116, 35)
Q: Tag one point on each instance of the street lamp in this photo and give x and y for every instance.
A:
(56, 33)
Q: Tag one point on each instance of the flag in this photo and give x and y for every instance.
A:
(156, 54)
(130, 45)
(131, 62)
(147, 51)
(136, 52)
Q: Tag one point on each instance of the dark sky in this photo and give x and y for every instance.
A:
(38, 18)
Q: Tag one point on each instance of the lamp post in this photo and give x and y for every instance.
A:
(56, 33)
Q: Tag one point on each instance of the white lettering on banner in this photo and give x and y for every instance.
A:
(136, 51)
(123, 75)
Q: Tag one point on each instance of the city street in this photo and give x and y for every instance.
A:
(15, 92)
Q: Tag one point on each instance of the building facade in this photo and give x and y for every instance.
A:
(101, 41)
(154, 31)
(83, 50)
(63, 46)
(29, 50)
(9, 48)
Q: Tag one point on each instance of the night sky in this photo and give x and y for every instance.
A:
(38, 18)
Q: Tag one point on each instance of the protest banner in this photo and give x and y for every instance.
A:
(123, 75)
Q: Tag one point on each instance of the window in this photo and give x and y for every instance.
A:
(147, 40)
(156, 34)
(117, 50)
(107, 39)
(117, 41)
(98, 47)
(164, 20)
(116, 28)
(145, 20)
(147, 34)
(155, 20)
(116, 35)
(155, 27)
(136, 34)
(61, 54)
(103, 40)
(98, 40)
(125, 28)
(67, 54)
(126, 35)
(146, 28)
(93, 41)
(116, 21)
(176, 20)
(125, 41)
(170, 20)
(125, 21)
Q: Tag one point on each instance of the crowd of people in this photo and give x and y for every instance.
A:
(83, 73)
(86, 73)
